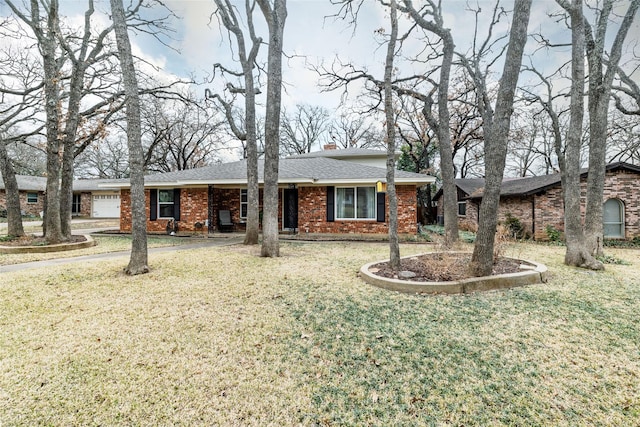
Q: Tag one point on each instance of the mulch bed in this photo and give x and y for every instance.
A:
(31, 240)
(442, 267)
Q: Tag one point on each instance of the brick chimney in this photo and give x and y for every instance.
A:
(330, 146)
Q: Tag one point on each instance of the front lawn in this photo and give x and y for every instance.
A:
(105, 244)
(219, 336)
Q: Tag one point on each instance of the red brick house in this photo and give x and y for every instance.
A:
(537, 202)
(31, 190)
(91, 197)
(317, 195)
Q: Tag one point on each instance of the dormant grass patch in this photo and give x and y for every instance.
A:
(105, 244)
(220, 336)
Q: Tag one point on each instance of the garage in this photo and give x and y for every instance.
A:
(105, 205)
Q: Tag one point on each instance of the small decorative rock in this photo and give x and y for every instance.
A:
(406, 274)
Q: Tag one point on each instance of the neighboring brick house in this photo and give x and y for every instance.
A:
(317, 195)
(91, 197)
(537, 202)
(31, 190)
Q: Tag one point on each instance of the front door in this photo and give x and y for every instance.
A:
(290, 209)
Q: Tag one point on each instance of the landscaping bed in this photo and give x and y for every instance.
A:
(443, 267)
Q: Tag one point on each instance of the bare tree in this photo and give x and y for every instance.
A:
(249, 135)
(419, 151)
(390, 124)
(600, 81)
(46, 32)
(496, 126)
(138, 262)
(275, 14)
(303, 129)
(430, 18)
(179, 135)
(354, 130)
(108, 159)
(629, 88)
(467, 139)
(12, 195)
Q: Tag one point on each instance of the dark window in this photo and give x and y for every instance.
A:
(32, 197)
(243, 203)
(462, 208)
(75, 204)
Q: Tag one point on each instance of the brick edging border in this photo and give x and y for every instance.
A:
(535, 275)
(60, 247)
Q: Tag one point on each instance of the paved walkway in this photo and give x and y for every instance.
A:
(121, 254)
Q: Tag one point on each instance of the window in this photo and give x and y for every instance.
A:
(165, 203)
(32, 197)
(613, 219)
(356, 203)
(244, 204)
(75, 204)
(462, 208)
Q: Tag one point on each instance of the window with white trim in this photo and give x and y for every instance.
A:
(165, 203)
(32, 197)
(613, 219)
(244, 203)
(356, 203)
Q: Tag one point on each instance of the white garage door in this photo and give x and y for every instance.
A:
(106, 206)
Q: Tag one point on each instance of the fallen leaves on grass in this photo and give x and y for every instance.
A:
(219, 336)
(443, 266)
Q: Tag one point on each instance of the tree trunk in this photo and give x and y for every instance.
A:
(53, 232)
(447, 171)
(600, 83)
(66, 191)
(576, 253)
(441, 125)
(253, 191)
(276, 19)
(496, 141)
(69, 145)
(12, 194)
(138, 263)
(394, 247)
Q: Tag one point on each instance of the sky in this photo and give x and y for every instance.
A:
(313, 35)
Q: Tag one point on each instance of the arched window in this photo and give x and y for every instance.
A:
(613, 219)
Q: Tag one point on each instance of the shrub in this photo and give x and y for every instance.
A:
(3, 212)
(553, 233)
(515, 228)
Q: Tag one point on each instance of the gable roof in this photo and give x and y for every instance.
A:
(313, 171)
(28, 183)
(39, 183)
(532, 184)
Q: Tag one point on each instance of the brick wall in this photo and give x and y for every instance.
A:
(27, 208)
(549, 206)
(312, 214)
(193, 208)
(85, 204)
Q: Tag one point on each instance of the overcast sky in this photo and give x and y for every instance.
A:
(312, 36)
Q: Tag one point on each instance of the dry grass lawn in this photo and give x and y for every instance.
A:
(220, 336)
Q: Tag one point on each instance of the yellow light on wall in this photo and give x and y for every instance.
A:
(381, 187)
